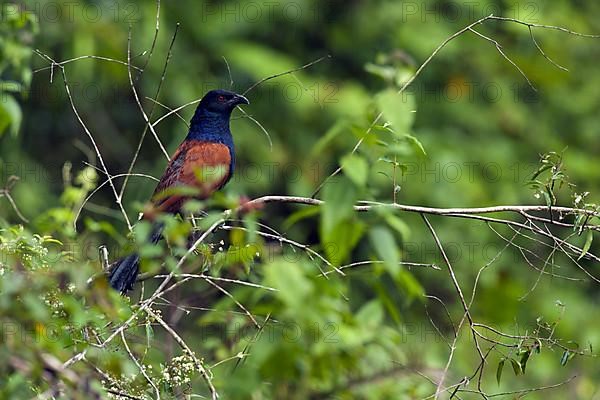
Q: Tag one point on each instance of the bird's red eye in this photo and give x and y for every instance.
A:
(221, 98)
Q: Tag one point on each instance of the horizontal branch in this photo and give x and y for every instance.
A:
(468, 213)
(368, 206)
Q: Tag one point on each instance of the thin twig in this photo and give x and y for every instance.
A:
(436, 51)
(542, 51)
(153, 45)
(148, 124)
(5, 192)
(140, 367)
(137, 100)
(199, 364)
(310, 64)
(467, 313)
(90, 136)
(499, 48)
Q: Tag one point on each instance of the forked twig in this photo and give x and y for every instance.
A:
(263, 80)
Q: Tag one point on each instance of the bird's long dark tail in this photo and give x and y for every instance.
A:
(124, 272)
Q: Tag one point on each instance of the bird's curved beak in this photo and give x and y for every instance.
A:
(239, 99)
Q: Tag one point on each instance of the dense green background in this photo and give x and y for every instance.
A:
(365, 335)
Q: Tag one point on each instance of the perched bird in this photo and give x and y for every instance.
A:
(204, 160)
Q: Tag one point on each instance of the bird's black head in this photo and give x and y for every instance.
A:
(221, 101)
(211, 119)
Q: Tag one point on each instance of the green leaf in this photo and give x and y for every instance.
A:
(339, 197)
(340, 230)
(587, 245)
(328, 137)
(10, 114)
(386, 72)
(548, 197)
(394, 221)
(150, 251)
(292, 284)
(102, 226)
(515, 366)
(541, 170)
(370, 315)
(397, 109)
(356, 168)
(149, 332)
(416, 145)
(209, 220)
(338, 243)
(524, 358)
(251, 225)
(499, 370)
(578, 222)
(305, 212)
(142, 231)
(385, 246)
(409, 283)
(398, 225)
(566, 356)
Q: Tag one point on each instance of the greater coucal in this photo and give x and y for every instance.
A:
(204, 160)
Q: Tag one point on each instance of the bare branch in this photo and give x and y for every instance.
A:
(263, 80)
(148, 124)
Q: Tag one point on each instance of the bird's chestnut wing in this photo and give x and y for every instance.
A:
(204, 165)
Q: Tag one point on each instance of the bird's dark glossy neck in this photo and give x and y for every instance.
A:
(210, 127)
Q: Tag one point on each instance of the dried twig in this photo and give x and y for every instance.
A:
(5, 192)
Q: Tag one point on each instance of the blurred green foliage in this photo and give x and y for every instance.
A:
(17, 30)
(468, 132)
